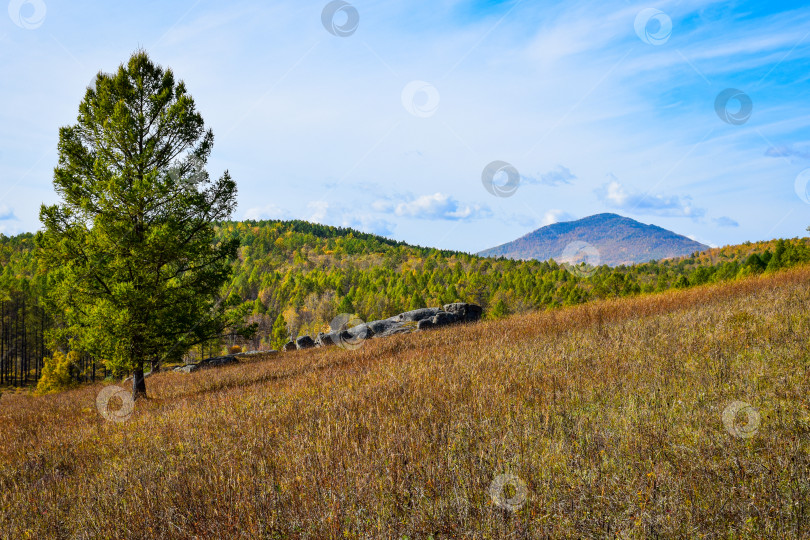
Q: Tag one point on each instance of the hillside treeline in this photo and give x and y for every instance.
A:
(294, 277)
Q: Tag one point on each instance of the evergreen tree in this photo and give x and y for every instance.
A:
(346, 306)
(279, 333)
(756, 263)
(682, 282)
(417, 302)
(131, 245)
(499, 310)
(776, 261)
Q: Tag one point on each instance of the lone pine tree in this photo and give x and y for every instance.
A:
(130, 249)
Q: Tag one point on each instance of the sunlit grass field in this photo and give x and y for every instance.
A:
(603, 420)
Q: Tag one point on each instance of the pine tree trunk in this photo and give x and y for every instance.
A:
(138, 384)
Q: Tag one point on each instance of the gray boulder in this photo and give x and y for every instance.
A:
(289, 346)
(465, 312)
(215, 361)
(305, 342)
(417, 314)
(443, 318)
(184, 369)
(325, 340)
(398, 328)
(360, 331)
(425, 324)
(379, 328)
(249, 354)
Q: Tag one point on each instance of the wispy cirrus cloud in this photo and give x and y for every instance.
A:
(787, 151)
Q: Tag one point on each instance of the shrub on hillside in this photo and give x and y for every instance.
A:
(58, 372)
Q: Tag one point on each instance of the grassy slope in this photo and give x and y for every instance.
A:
(610, 412)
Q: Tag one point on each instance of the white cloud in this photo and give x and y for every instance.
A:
(382, 205)
(616, 195)
(440, 206)
(6, 213)
(701, 240)
(725, 221)
(556, 216)
(556, 176)
(338, 215)
(319, 211)
(369, 224)
(270, 211)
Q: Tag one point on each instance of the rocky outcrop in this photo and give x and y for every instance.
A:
(414, 320)
(425, 324)
(464, 312)
(443, 318)
(417, 315)
(324, 340)
(409, 321)
(385, 327)
(188, 368)
(351, 338)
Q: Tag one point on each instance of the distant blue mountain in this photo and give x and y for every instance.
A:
(617, 240)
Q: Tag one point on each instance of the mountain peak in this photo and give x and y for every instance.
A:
(616, 239)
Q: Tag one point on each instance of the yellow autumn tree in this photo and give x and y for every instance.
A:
(58, 372)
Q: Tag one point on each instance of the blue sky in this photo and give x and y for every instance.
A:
(600, 107)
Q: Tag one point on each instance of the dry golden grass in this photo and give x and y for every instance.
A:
(609, 412)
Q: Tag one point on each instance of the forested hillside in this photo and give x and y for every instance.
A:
(293, 277)
(308, 273)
